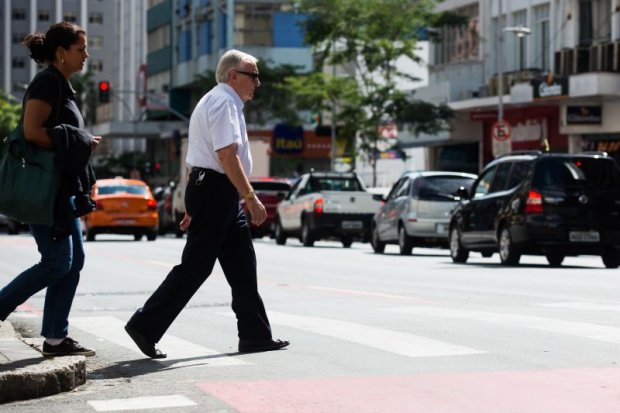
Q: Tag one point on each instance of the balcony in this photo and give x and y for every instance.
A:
(601, 57)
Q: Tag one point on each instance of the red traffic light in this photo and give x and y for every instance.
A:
(104, 86)
(104, 91)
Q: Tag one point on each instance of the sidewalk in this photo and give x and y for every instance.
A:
(26, 374)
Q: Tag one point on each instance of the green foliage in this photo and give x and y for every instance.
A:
(367, 37)
(10, 112)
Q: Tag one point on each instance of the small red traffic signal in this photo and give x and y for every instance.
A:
(104, 91)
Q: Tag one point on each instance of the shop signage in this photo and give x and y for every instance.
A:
(584, 115)
(288, 139)
(549, 87)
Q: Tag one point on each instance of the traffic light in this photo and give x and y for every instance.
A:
(104, 91)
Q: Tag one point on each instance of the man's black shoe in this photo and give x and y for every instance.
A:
(253, 346)
(68, 347)
(143, 344)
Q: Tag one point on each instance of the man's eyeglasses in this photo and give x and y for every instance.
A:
(253, 75)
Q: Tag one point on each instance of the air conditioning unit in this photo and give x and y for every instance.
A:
(564, 62)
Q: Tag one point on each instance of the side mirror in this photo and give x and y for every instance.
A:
(378, 197)
(462, 193)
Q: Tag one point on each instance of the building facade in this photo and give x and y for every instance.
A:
(560, 71)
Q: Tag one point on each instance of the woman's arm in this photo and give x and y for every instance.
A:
(35, 115)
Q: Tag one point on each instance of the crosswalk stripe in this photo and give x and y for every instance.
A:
(583, 306)
(140, 403)
(181, 353)
(393, 341)
(578, 329)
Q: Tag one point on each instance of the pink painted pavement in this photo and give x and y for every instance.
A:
(536, 391)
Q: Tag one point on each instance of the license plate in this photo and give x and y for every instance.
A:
(441, 229)
(584, 236)
(352, 225)
(125, 221)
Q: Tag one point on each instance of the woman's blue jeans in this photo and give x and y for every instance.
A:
(59, 271)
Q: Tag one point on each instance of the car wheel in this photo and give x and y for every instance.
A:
(137, 237)
(13, 227)
(347, 241)
(405, 243)
(457, 252)
(306, 234)
(555, 260)
(152, 236)
(508, 253)
(375, 241)
(611, 259)
(486, 254)
(90, 233)
(278, 233)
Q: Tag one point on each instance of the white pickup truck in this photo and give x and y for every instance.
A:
(325, 205)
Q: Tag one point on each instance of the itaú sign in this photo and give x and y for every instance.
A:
(288, 139)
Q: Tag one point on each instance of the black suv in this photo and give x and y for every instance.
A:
(540, 204)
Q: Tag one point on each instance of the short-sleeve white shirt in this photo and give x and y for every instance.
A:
(217, 122)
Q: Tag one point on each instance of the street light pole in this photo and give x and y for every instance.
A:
(500, 65)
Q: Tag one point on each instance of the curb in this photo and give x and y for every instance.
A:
(45, 378)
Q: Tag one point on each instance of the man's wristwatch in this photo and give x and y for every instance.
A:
(249, 195)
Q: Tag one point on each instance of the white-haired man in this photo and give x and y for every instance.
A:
(220, 162)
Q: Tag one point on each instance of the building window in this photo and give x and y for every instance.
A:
(95, 42)
(459, 44)
(19, 62)
(95, 66)
(18, 38)
(95, 18)
(19, 14)
(519, 43)
(44, 15)
(70, 16)
(594, 22)
(541, 37)
(254, 25)
(158, 39)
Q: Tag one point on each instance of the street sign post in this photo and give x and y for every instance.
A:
(501, 132)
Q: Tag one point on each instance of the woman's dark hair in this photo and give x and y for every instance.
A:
(43, 46)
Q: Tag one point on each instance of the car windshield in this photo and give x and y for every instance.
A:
(122, 189)
(335, 184)
(270, 186)
(440, 188)
(596, 173)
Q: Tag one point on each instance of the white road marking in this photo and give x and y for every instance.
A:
(181, 353)
(140, 403)
(584, 306)
(361, 293)
(585, 330)
(387, 340)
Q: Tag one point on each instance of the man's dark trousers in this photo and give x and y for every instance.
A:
(218, 230)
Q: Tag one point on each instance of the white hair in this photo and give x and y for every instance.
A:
(231, 60)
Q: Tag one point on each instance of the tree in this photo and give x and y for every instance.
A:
(368, 36)
(10, 112)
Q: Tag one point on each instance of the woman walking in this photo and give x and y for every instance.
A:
(51, 119)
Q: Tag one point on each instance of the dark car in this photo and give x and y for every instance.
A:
(163, 196)
(270, 191)
(416, 212)
(537, 203)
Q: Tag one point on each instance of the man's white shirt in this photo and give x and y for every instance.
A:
(217, 122)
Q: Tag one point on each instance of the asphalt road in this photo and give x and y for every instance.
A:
(368, 332)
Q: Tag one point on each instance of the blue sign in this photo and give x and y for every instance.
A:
(288, 139)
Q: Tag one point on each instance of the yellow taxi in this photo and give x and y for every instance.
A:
(124, 206)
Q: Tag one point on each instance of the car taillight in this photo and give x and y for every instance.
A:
(99, 205)
(534, 204)
(318, 206)
(151, 204)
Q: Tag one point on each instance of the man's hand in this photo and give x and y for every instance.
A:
(257, 211)
(184, 225)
